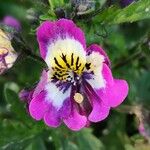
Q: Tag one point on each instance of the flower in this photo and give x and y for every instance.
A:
(12, 22)
(78, 86)
(7, 53)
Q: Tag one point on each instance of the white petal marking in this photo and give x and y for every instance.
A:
(66, 46)
(96, 61)
(55, 96)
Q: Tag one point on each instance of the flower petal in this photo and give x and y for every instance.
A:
(12, 22)
(55, 95)
(49, 32)
(51, 117)
(41, 85)
(97, 48)
(115, 91)
(94, 71)
(65, 110)
(75, 121)
(99, 110)
(38, 106)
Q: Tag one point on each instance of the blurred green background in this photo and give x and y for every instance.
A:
(124, 32)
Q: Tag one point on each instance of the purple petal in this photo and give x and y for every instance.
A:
(115, 91)
(38, 106)
(12, 22)
(51, 117)
(97, 48)
(75, 121)
(49, 32)
(26, 95)
(41, 84)
(99, 110)
(65, 110)
(125, 3)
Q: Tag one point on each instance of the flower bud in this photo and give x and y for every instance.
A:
(12, 22)
(7, 53)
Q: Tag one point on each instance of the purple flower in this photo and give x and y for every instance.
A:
(78, 87)
(7, 53)
(125, 3)
(12, 22)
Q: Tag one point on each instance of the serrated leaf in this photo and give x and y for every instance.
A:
(136, 11)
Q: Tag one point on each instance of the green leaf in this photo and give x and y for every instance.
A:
(86, 140)
(143, 88)
(65, 139)
(13, 135)
(37, 144)
(136, 11)
(14, 104)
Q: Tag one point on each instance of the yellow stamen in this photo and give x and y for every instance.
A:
(78, 98)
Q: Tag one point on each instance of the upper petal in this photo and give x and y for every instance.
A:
(97, 48)
(93, 73)
(50, 32)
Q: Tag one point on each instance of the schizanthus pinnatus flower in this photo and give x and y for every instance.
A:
(78, 87)
(7, 53)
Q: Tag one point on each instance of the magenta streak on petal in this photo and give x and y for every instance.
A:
(38, 106)
(49, 32)
(115, 91)
(65, 110)
(99, 111)
(97, 48)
